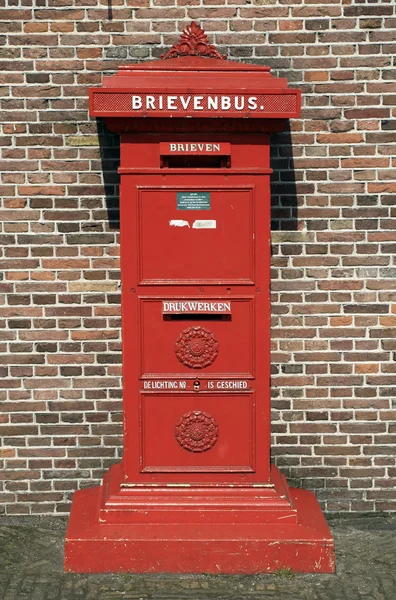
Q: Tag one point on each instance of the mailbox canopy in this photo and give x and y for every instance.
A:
(221, 88)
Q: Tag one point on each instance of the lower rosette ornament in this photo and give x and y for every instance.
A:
(196, 431)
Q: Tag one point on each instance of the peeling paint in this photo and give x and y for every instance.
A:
(179, 223)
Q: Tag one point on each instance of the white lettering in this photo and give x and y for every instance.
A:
(164, 385)
(185, 101)
(225, 103)
(150, 102)
(252, 103)
(171, 102)
(194, 306)
(192, 147)
(213, 103)
(239, 102)
(231, 385)
(198, 103)
(136, 102)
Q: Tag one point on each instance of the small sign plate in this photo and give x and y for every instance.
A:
(195, 306)
(193, 200)
(201, 148)
(222, 385)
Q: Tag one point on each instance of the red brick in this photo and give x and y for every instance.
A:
(332, 340)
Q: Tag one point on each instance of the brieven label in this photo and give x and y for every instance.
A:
(201, 148)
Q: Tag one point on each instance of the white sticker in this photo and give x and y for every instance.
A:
(204, 224)
(179, 223)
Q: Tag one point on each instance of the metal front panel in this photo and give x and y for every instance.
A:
(195, 318)
(213, 243)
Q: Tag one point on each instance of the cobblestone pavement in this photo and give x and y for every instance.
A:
(31, 554)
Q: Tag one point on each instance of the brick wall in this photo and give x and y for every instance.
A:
(334, 286)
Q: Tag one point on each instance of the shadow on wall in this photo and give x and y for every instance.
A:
(109, 145)
(284, 214)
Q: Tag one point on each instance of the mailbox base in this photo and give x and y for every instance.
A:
(92, 546)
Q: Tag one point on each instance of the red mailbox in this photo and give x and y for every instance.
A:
(195, 491)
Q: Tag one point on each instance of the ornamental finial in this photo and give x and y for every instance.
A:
(193, 42)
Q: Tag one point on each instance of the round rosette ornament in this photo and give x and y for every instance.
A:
(196, 347)
(196, 431)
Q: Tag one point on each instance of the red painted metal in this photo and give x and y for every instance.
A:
(193, 42)
(194, 86)
(199, 546)
(195, 263)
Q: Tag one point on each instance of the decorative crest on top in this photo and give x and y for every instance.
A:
(193, 42)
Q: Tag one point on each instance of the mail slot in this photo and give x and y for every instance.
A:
(195, 154)
(195, 268)
(203, 341)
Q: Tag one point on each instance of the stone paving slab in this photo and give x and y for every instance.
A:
(31, 568)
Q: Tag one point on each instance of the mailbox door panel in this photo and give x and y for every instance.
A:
(213, 242)
(167, 341)
(230, 262)
(182, 433)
